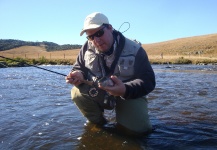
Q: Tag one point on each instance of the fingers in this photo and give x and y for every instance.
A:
(73, 81)
(74, 78)
(69, 79)
(115, 79)
(117, 90)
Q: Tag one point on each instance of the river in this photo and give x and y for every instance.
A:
(37, 112)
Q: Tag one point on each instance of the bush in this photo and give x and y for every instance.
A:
(182, 60)
(42, 60)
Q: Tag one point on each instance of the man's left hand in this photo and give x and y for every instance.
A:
(118, 89)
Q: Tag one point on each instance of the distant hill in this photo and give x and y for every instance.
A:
(197, 46)
(6, 44)
(205, 45)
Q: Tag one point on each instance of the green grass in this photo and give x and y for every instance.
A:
(183, 60)
(21, 62)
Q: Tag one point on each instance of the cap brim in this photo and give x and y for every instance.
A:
(82, 32)
(90, 27)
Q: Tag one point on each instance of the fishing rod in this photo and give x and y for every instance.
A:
(83, 81)
(33, 66)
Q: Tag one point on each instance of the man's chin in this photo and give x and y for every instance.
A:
(102, 49)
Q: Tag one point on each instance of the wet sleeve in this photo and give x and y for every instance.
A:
(143, 81)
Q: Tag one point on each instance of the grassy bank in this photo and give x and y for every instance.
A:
(182, 60)
(22, 62)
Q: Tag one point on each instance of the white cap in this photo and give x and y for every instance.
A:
(93, 21)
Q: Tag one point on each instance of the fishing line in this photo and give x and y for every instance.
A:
(122, 25)
(34, 66)
(83, 81)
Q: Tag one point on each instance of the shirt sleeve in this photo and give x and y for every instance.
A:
(80, 62)
(143, 81)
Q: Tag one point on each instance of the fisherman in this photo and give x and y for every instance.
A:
(112, 72)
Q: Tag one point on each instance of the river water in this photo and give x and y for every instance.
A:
(37, 112)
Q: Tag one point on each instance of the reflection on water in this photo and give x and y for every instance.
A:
(37, 112)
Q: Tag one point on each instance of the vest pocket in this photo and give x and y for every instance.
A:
(90, 61)
(125, 65)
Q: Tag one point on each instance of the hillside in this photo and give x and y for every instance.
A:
(6, 44)
(205, 45)
(35, 52)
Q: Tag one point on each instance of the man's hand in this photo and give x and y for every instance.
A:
(74, 78)
(118, 89)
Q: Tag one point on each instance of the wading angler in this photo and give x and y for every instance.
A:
(112, 72)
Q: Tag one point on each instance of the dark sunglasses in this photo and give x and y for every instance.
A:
(97, 34)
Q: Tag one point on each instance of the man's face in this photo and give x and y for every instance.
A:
(101, 37)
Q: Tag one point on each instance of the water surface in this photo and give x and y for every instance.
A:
(37, 112)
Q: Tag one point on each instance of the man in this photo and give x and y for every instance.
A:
(126, 72)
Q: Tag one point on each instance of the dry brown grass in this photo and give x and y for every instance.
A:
(196, 48)
(35, 52)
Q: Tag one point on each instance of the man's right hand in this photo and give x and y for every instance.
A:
(74, 78)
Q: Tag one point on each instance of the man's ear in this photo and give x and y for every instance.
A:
(110, 26)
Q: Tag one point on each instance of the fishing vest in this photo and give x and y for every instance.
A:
(124, 68)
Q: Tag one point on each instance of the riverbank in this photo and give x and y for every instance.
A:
(23, 62)
(172, 59)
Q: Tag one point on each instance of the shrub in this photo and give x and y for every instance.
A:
(182, 60)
